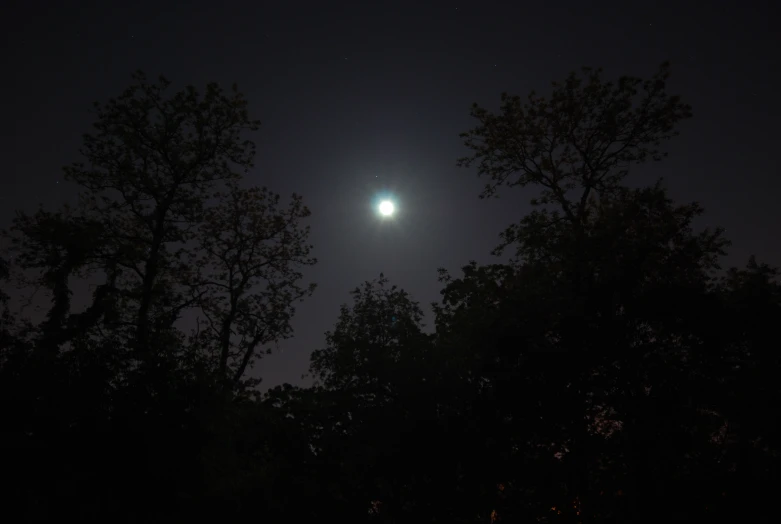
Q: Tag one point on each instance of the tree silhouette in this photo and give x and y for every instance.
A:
(381, 332)
(163, 219)
(598, 342)
(611, 371)
(165, 227)
(152, 164)
(253, 251)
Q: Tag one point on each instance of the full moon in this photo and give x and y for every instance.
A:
(386, 208)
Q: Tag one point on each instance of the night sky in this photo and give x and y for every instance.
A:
(359, 98)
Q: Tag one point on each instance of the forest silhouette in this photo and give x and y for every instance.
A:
(612, 371)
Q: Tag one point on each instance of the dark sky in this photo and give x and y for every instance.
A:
(355, 97)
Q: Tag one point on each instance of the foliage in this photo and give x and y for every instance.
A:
(164, 222)
(253, 251)
(381, 333)
(163, 228)
(586, 134)
(153, 163)
(610, 372)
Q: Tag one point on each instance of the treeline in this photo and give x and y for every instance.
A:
(611, 372)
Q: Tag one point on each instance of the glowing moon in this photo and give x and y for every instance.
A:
(386, 208)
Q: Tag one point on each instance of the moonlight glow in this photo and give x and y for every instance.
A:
(386, 208)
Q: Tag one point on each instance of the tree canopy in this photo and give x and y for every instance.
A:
(611, 371)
